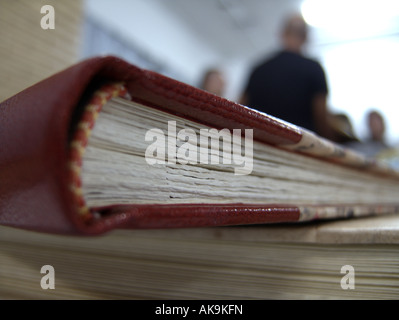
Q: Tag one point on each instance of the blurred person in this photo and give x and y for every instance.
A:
(342, 129)
(375, 142)
(376, 126)
(213, 81)
(289, 85)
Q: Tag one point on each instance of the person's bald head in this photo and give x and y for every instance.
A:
(294, 33)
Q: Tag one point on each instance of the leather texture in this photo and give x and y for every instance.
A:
(34, 128)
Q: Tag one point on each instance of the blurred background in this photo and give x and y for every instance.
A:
(356, 42)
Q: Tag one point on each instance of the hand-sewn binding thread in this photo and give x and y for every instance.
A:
(81, 138)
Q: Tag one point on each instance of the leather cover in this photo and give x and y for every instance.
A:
(34, 136)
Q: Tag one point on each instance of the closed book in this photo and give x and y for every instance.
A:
(106, 145)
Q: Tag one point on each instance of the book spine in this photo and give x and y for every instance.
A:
(80, 141)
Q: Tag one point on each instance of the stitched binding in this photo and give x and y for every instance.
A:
(80, 140)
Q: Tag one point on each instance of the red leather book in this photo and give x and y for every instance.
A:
(40, 164)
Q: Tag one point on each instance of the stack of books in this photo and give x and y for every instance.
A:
(222, 201)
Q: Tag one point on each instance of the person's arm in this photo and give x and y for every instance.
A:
(243, 99)
(321, 116)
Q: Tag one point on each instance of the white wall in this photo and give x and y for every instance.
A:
(364, 75)
(156, 31)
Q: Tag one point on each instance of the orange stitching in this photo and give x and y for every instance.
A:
(80, 140)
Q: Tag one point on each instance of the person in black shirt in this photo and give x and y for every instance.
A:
(289, 85)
